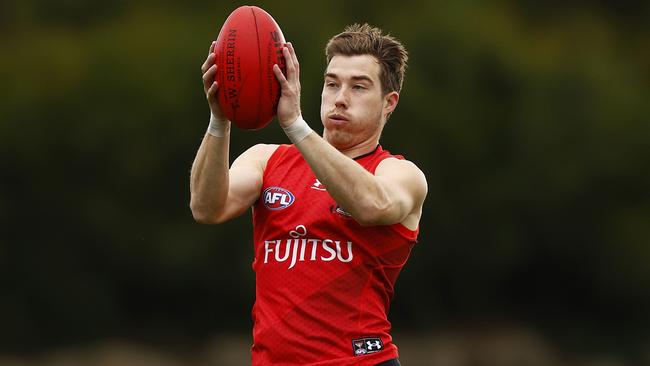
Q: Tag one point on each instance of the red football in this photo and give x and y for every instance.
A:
(249, 44)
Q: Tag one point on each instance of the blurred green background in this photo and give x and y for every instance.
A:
(531, 121)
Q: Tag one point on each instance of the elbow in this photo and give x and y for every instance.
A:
(375, 213)
(367, 222)
(370, 220)
(204, 215)
(205, 219)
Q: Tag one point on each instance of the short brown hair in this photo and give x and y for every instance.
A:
(364, 39)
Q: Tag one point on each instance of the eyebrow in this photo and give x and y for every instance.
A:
(354, 77)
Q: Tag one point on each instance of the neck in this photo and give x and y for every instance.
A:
(360, 149)
(351, 148)
(352, 145)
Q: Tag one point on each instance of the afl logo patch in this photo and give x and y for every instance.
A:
(276, 198)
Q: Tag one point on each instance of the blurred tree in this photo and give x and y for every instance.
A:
(530, 120)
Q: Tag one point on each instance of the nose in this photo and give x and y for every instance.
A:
(341, 100)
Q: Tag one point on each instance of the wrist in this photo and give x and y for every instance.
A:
(297, 130)
(218, 127)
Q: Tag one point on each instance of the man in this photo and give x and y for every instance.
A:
(334, 218)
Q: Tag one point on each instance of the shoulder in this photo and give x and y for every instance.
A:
(394, 166)
(261, 150)
(403, 172)
(256, 155)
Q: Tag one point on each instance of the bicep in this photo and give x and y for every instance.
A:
(404, 183)
(245, 179)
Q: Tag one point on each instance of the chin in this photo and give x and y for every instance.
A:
(338, 139)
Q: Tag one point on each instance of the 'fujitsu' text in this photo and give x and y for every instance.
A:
(304, 249)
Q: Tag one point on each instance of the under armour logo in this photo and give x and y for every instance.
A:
(318, 186)
(374, 345)
(364, 346)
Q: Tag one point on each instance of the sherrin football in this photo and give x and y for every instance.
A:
(249, 44)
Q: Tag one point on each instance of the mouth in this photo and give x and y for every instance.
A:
(337, 118)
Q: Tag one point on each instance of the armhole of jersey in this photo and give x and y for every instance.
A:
(273, 159)
(385, 155)
(270, 164)
(406, 233)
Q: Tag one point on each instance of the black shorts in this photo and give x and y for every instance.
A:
(393, 362)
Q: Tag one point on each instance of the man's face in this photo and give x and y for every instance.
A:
(353, 109)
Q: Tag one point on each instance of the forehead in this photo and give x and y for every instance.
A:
(352, 66)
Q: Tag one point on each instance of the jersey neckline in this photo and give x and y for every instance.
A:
(377, 148)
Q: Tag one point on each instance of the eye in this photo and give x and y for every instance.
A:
(358, 87)
(330, 84)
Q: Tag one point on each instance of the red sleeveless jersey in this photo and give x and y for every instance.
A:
(323, 282)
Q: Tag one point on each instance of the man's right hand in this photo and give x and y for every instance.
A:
(210, 86)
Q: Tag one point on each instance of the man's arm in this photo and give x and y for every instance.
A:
(395, 194)
(218, 193)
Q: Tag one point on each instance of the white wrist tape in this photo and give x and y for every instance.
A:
(218, 127)
(298, 130)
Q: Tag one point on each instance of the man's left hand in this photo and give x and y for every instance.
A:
(289, 104)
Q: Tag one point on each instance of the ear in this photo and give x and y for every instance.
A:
(390, 103)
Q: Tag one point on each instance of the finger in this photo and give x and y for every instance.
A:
(212, 45)
(284, 84)
(212, 90)
(291, 69)
(208, 77)
(294, 57)
(209, 61)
